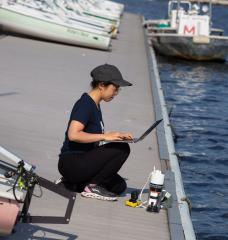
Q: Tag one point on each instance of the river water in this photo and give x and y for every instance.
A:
(196, 93)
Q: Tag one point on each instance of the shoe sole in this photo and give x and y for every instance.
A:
(97, 196)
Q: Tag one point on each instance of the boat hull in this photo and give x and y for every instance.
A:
(188, 47)
(36, 27)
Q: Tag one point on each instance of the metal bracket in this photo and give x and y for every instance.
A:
(25, 217)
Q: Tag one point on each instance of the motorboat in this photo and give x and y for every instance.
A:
(191, 47)
(187, 33)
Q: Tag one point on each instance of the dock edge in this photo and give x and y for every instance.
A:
(167, 152)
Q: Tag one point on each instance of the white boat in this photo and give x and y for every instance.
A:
(191, 47)
(55, 7)
(90, 5)
(115, 8)
(80, 18)
(45, 24)
(188, 34)
(17, 183)
(175, 9)
(114, 5)
(89, 10)
(9, 205)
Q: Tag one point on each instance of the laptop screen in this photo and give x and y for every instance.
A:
(149, 130)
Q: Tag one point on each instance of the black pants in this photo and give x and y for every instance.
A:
(99, 166)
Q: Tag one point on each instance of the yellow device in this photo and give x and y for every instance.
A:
(132, 204)
(133, 201)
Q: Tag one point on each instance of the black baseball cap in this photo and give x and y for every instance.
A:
(109, 73)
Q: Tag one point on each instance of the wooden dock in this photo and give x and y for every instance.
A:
(40, 82)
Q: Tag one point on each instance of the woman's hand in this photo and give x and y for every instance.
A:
(127, 136)
(117, 136)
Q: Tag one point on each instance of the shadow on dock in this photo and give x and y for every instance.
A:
(34, 232)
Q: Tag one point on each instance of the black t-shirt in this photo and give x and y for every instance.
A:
(85, 111)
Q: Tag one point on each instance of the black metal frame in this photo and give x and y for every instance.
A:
(24, 215)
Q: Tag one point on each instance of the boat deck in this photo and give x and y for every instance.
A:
(40, 82)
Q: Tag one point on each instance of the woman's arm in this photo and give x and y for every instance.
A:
(76, 134)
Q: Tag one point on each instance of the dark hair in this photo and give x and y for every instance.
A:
(95, 83)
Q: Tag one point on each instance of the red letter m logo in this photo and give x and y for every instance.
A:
(186, 30)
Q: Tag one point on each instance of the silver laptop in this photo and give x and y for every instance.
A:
(135, 140)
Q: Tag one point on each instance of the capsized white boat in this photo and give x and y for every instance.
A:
(63, 8)
(113, 5)
(54, 7)
(91, 6)
(89, 10)
(47, 25)
(109, 6)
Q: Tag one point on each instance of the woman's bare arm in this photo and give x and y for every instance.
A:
(76, 134)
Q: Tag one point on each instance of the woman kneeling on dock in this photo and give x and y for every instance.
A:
(85, 158)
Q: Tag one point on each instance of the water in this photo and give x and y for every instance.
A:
(196, 93)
